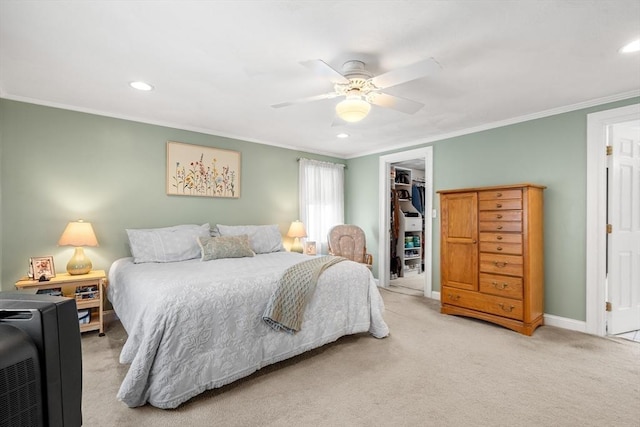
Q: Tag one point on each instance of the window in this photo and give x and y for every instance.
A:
(321, 199)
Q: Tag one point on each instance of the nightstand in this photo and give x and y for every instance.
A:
(87, 289)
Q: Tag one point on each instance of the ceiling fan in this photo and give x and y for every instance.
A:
(361, 89)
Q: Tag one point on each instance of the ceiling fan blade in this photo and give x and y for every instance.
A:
(395, 102)
(338, 122)
(322, 69)
(305, 100)
(405, 74)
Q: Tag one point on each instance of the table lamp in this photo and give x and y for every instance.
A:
(296, 231)
(78, 234)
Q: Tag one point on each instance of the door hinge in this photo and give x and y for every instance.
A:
(607, 306)
(609, 150)
(609, 228)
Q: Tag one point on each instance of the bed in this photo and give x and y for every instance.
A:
(195, 325)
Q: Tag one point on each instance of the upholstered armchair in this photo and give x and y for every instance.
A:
(349, 241)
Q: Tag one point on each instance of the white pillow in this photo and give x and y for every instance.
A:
(169, 244)
(263, 238)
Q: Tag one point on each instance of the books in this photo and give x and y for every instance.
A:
(84, 316)
(87, 292)
(56, 292)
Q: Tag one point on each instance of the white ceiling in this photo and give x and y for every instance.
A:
(218, 66)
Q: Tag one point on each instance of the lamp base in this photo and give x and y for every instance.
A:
(79, 263)
(296, 247)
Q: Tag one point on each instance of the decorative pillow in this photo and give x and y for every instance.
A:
(169, 244)
(225, 247)
(262, 238)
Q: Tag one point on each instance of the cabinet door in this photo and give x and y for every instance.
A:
(459, 240)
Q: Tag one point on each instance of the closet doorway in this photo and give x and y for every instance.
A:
(405, 227)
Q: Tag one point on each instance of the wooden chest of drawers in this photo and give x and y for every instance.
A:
(492, 255)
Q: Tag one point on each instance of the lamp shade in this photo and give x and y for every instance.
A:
(78, 234)
(297, 230)
(353, 109)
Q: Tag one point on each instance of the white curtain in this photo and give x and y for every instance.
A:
(321, 199)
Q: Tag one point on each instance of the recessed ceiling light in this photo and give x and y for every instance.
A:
(342, 135)
(141, 86)
(632, 47)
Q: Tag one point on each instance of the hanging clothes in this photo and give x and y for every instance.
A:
(395, 265)
(417, 197)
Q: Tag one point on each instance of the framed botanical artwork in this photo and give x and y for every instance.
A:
(196, 170)
(42, 267)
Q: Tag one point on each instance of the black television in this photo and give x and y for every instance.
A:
(40, 361)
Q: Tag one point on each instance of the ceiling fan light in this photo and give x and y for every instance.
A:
(353, 109)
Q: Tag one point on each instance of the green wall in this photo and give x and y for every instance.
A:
(549, 151)
(362, 201)
(58, 165)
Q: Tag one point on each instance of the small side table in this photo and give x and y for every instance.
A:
(87, 289)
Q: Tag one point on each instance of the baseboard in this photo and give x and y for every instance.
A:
(549, 319)
(565, 323)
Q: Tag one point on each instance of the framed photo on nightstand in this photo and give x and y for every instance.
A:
(310, 248)
(42, 268)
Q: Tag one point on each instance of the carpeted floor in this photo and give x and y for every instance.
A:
(411, 284)
(433, 370)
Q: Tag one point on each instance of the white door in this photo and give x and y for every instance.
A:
(623, 278)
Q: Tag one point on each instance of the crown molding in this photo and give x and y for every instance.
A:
(204, 131)
(414, 143)
(506, 122)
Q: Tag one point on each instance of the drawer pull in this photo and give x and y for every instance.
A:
(507, 309)
(499, 264)
(500, 286)
(454, 297)
(499, 227)
(499, 216)
(499, 248)
(498, 205)
(499, 237)
(499, 195)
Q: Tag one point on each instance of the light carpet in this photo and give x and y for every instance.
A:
(433, 370)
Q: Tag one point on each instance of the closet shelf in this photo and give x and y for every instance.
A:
(410, 225)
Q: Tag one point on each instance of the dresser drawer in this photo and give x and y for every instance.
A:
(500, 194)
(497, 205)
(501, 264)
(501, 248)
(500, 216)
(505, 307)
(504, 286)
(511, 226)
(501, 237)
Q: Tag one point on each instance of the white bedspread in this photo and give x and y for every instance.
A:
(194, 326)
